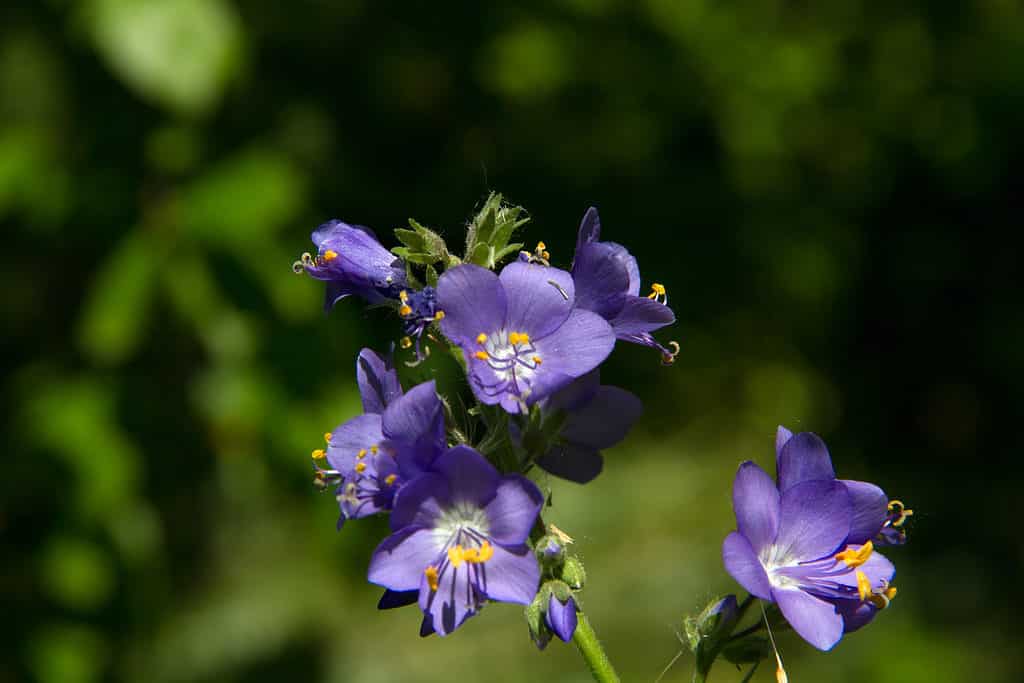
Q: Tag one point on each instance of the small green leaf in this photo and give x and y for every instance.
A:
(411, 239)
(431, 276)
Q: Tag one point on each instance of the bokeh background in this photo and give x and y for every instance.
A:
(825, 189)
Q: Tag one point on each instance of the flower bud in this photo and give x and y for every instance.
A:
(573, 573)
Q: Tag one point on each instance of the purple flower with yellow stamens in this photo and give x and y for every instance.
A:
(607, 280)
(522, 336)
(596, 417)
(352, 261)
(459, 539)
(418, 310)
(805, 542)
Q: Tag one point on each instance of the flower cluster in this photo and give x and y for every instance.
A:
(807, 541)
(464, 517)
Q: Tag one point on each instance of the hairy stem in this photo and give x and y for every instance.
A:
(593, 654)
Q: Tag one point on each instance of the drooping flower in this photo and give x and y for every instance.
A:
(561, 617)
(805, 543)
(459, 539)
(418, 310)
(595, 417)
(522, 337)
(352, 261)
(398, 436)
(607, 280)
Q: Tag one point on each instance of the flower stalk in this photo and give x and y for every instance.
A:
(590, 648)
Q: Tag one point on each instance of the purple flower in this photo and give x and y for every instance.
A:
(398, 437)
(352, 261)
(418, 309)
(459, 539)
(607, 281)
(805, 543)
(561, 617)
(596, 417)
(522, 337)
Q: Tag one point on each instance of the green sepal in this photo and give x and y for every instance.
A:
(412, 239)
(487, 240)
(431, 274)
(573, 573)
(748, 650)
(413, 256)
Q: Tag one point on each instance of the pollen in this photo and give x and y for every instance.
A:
(439, 315)
(482, 355)
(882, 599)
(900, 512)
(863, 586)
(405, 342)
(856, 557)
(330, 255)
(405, 310)
(431, 574)
(373, 449)
(390, 479)
(456, 555)
(360, 467)
(481, 338)
(537, 360)
(403, 296)
(327, 437)
(657, 290)
(319, 453)
(541, 246)
(361, 454)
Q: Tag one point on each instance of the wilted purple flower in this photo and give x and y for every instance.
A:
(352, 261)
(596, 417)
(607, 281)
(397, 438)
(561, 617)
(459, 539)
(805, 543)
(520, 333)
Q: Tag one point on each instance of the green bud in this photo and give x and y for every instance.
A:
(535, 611)
(561, 591)
(708, 632)
(550, 553)
(573, 573)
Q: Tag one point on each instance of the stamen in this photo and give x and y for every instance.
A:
(439, 315)
(330, 255)
(361, 454)
(456, 555)
(863, 586)
(536, 359)
(403, 296)
(481, 338)
(513, 338)
(856, 557)
(405, 310)
(327, 437)
(780, 671)
(360, 467)
(482, 355)
(431, 574)
(319, 453)
(405, 342)
(669, 357)
(658, 293)
(900, 513)
(373, 449)
(390, 479)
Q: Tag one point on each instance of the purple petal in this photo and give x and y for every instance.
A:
(590, 228)
(742, 564)
(349, 438)
(561, 618)
(605, 420)
(511, 575)
(870, 507)
(803, 458)
(782, 435)
(539, 298)
(473, 301)
(640, 314)
(574, 349)
(577, 393)
(417, 416)
(400, 559)
(878, 568)
(813, 618)
(378, 381)
(393, 599)
(470, 477)
(455, 600)
(814, 520)
(756, 503)
(420, 501)
(427, 626)
(573, 462)
(514, 509)
(601, 280)
(855, 614)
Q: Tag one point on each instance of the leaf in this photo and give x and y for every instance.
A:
(412, 256)
(431, 276)
(412, 239)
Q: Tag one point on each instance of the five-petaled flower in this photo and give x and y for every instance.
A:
(521, 334)
(352, 261)
(607, 280)
(459, 539)
(806, 543)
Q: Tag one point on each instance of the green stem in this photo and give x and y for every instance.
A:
(699, 676)
(593, 654)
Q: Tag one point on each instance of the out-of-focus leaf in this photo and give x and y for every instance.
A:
(76, 573)
(117, 306)
(67, 654)
(177, 53)
(243, 201)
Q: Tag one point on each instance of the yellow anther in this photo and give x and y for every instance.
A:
(431, 574)
(327, 437)
(319, 453)
(439, 315)
(657, 289)
(541, 246)
(536, 359)
(360, 467)
(482, 355)
(856, 557)
(374, 449)
(403, 296)
(405, 342)
(481, 338)
(405, 310)
(484, 553)
(456, 556)
(361, 454)
(863, 586)
(896, 507)
(330, 255)
(390, 479)
(513, 338)
(545, 255)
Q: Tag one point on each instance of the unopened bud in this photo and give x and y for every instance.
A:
(573, 573)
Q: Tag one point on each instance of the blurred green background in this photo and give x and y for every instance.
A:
(825, 189)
